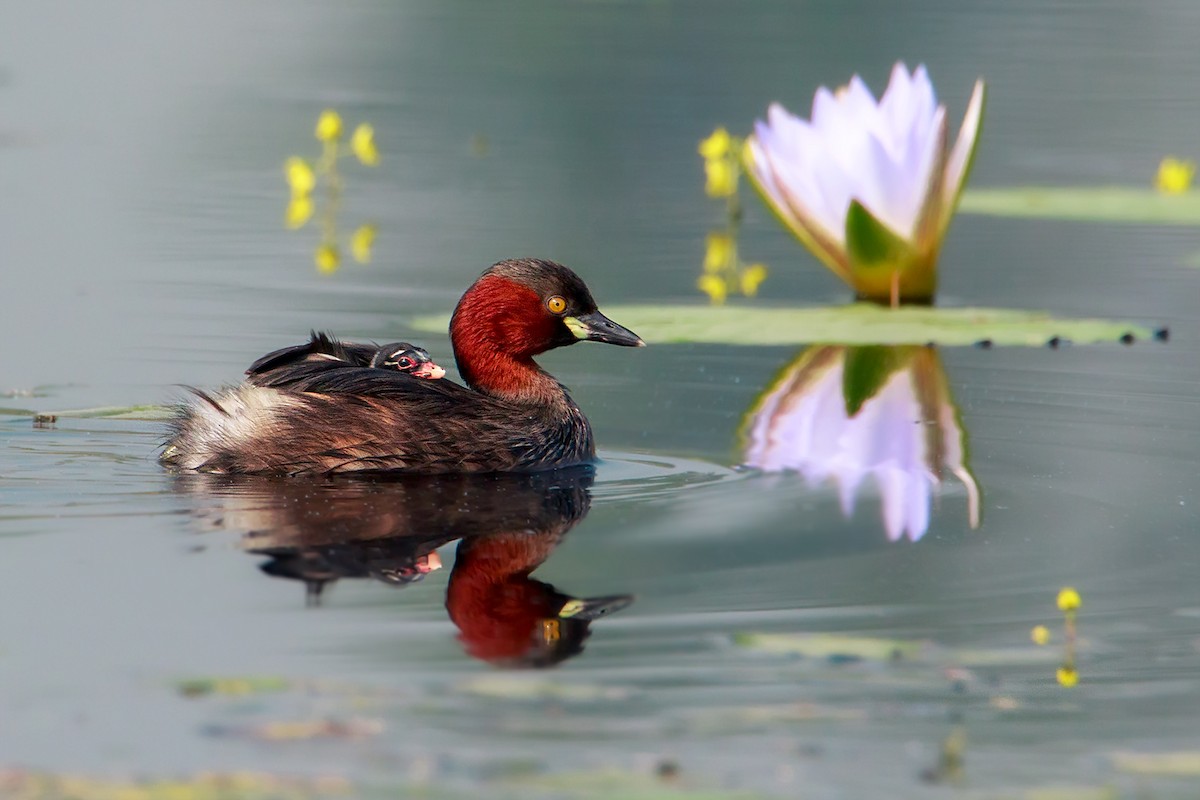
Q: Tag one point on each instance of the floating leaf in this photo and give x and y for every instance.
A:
(860, 323)
(1087, 204)
(198, 687)
(1184, 762)
(729, 718)
(151, 413)
(625, 785)
(829, 645)
(30, 785)
(533, 687)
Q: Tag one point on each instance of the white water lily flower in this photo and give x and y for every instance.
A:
(905, 434)
(868, 186)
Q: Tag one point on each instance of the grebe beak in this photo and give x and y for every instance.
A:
(590, 608)
(595, 327)
(429, 370)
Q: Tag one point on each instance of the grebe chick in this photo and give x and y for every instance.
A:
(405, 357)
(274, 369)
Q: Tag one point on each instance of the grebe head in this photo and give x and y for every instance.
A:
(523, 307)
(405, 357)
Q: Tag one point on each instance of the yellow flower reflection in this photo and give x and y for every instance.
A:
(714, 287)
(841, 414)
(1067, 675)
(300, 177)
(299, 211)
(316, 188)
(1175, 175)
(719, 252)
(751, 277)
(361, 243)
(327, 257)
(362, 144)
(329, 126)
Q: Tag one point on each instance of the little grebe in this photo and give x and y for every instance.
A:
(273, 369)
(330, 414)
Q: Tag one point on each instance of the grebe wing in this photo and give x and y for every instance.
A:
(342, 378)
(321, 346)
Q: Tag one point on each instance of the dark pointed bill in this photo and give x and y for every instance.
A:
(595, 327)
(591, 608)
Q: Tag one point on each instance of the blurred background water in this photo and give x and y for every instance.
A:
(142, 246)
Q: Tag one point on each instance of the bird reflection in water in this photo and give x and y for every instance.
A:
(840, 413)
(388, 528)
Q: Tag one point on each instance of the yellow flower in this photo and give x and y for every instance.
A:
(714, 287)
(299, 211)
(1175, 175)
(1040, 634)
(362, 142)
(329, 126)
(1067, 676)
(716, 145)
(361, 242)
(718, 252)
(327, 257)
(753, 275)
(720, 177)
(1068, 599)
(299, 175)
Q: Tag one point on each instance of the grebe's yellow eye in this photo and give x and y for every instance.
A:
(556, 305)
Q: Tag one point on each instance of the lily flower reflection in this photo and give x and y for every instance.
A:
(868, 186)
(389, 530)
(843, 413)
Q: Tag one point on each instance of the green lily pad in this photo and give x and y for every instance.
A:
(1086, 204)
(860, 323)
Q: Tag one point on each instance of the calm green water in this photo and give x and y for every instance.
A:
(142, 247)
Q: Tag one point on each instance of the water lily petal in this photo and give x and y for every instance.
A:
(888, 156)
(927, 233)
(962, 157)
(796, 154)
(792, 211)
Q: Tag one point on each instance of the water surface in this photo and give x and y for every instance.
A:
(141, 149)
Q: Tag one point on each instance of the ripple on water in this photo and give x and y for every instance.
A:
(622, 476)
